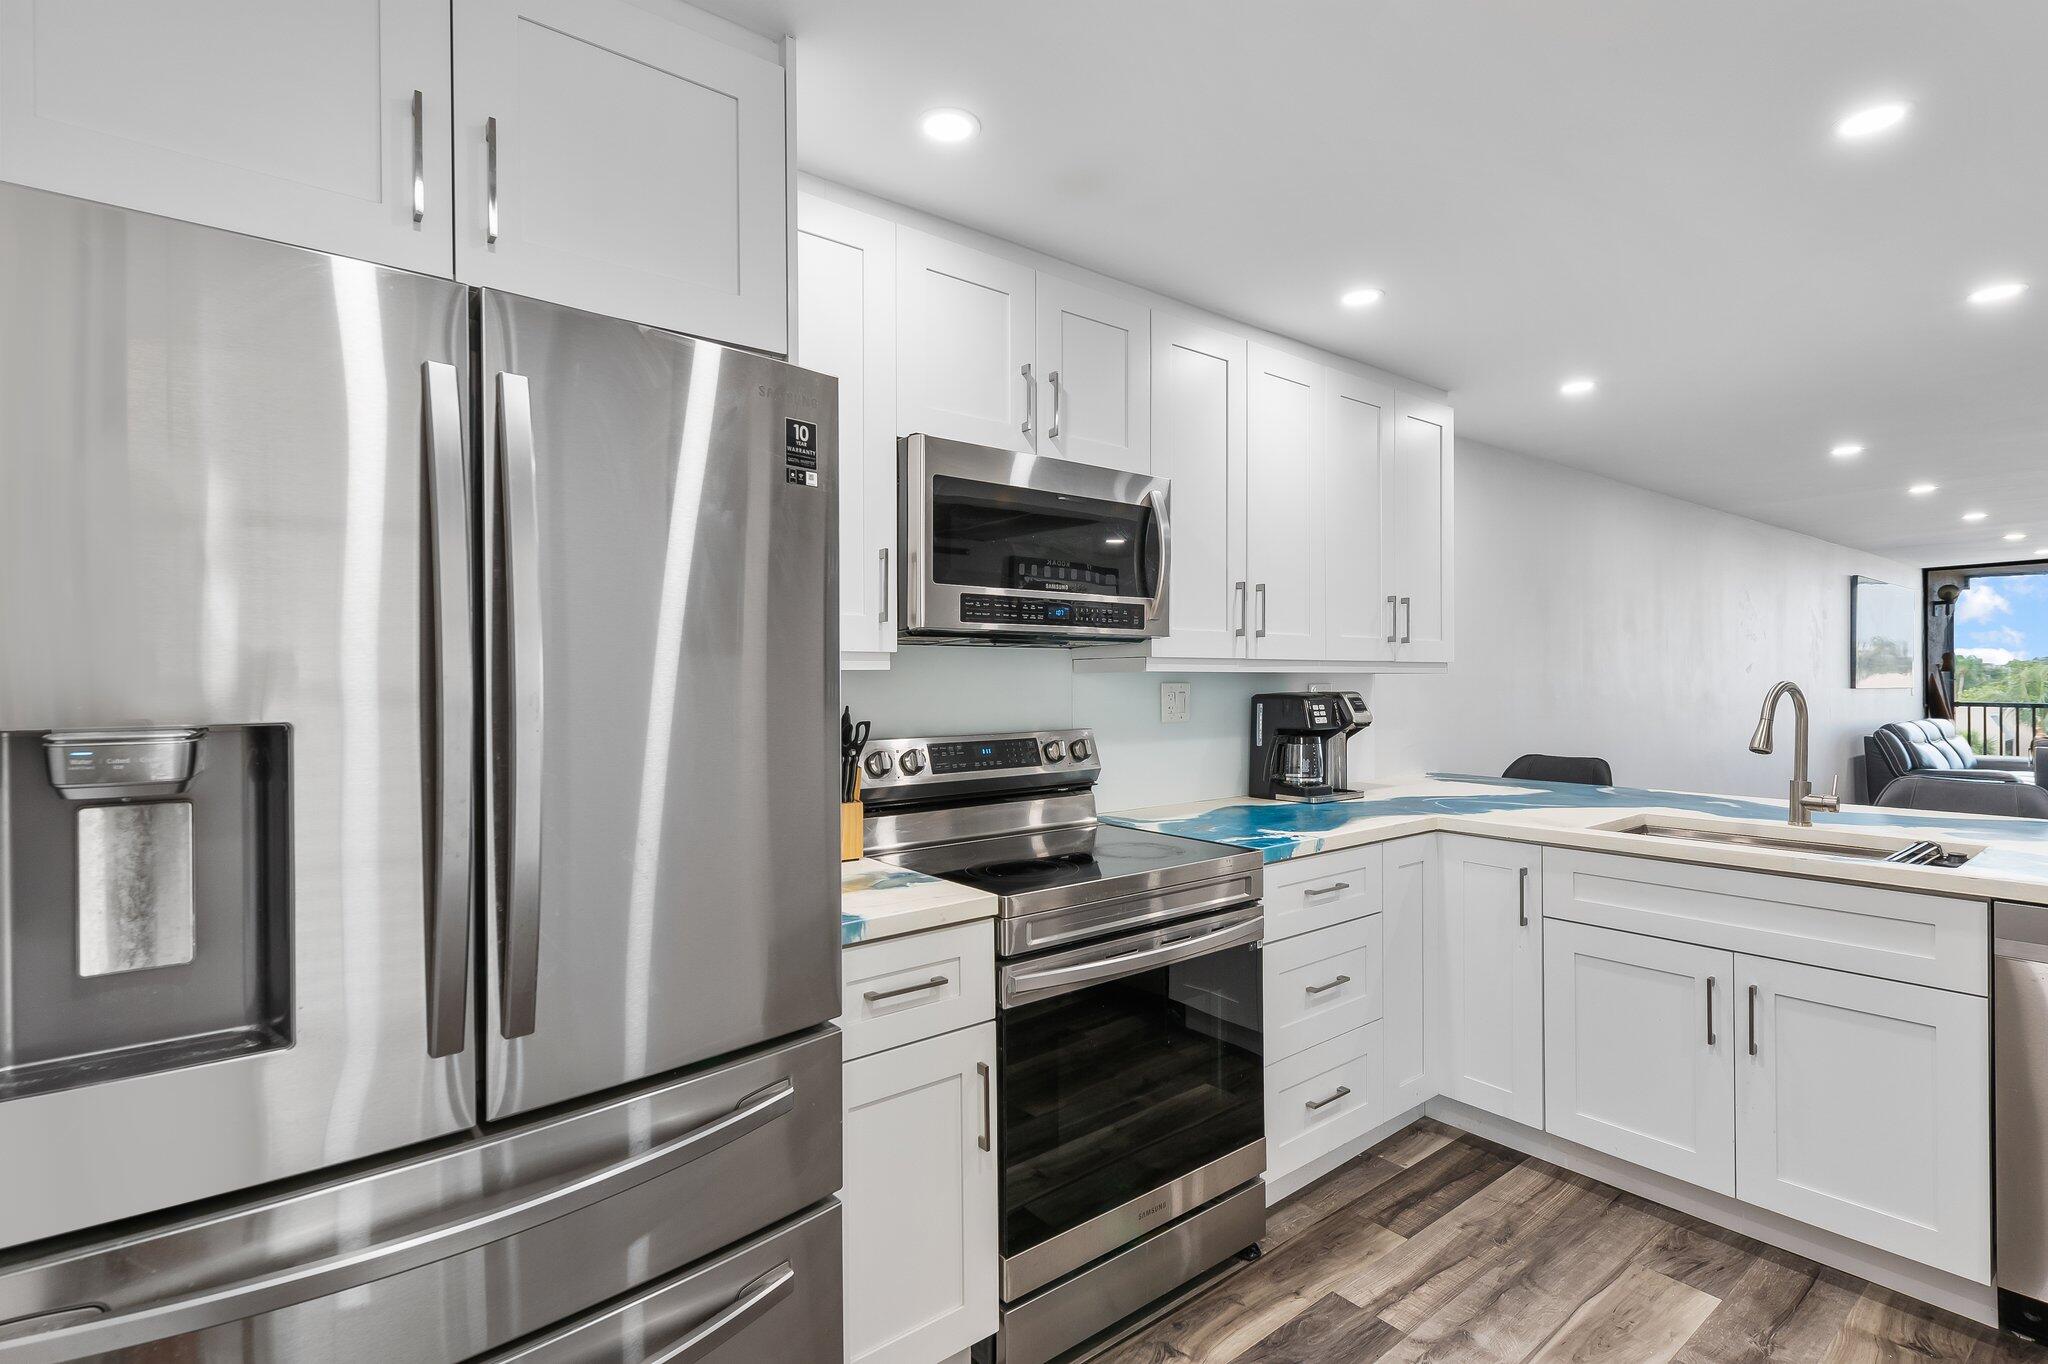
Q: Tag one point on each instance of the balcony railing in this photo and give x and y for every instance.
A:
(2006, 727)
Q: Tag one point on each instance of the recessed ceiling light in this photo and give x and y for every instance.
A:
(1922, 489)
(950, 125)
(1974, 515)
(1846, 450)
(1576, 388)
(1361, 298)
(2005, 291)
(2016, 535)
(1878, 118)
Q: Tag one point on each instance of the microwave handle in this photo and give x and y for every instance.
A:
(1162, 548)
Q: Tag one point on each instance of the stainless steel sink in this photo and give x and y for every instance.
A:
(1922, 853)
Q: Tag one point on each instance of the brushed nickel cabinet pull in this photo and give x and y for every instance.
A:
(873, 996)
(1330, 889)
(1522, 897)
(987, 1131)
(1319, 989)
(1314, 1104)
(491, 181)
(1752, 1020)
(419, 157)
(1710, 1011)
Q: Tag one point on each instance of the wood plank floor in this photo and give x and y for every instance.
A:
(1439, 1246)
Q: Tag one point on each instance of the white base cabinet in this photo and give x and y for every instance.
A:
(921, 1215)
(1493, 962)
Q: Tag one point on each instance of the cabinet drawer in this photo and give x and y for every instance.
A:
(1891, 934)
(1315, 892)
(1317, 1100)
(899, 990)
(1322, 984)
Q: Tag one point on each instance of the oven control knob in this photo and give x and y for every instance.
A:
(1079, 750)
(1054, 750)
(911, 762)
(876, 763)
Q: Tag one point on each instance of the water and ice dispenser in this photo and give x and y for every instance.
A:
(144, 899)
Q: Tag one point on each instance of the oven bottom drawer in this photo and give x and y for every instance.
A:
(1318, 1099)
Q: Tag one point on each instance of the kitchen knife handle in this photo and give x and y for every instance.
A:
(491, 182)
(419, 157)
(521, 730)
(450, 624)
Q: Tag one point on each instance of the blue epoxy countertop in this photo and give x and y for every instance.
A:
(2012, 863)
(877, 900)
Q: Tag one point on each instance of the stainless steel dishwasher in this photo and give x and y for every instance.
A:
(2019, 1103)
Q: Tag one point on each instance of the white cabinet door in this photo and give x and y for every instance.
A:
(1358, 429)
(965, 324)
(1198, 387)
(1416, 520)
(1409, 879)
(616, 159)
(1283, 520)
(846, 326)
(1863, 1106)
(293, 122)
(1639, 1050)
(920, 1196)
(1493, 921)
(1094, 368)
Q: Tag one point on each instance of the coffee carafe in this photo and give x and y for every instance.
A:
(1299, 742)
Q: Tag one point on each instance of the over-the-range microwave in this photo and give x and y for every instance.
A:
(1004, 545)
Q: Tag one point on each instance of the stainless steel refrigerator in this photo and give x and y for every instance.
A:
(418, 873)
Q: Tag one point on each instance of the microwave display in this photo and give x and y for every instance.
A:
(986, 535)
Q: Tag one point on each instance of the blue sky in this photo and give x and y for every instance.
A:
(2000, 619)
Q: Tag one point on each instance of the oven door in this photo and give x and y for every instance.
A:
(1005, 543)
(1132, 1089)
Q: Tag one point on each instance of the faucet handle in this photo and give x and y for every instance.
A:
(1832, 800)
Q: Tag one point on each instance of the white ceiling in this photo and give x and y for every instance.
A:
(1646, 191)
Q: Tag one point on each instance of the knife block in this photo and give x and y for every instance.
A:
(850, 813)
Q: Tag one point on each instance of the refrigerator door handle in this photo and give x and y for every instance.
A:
(452, 714)
(521, 733)
(123, 1330)
(752, 1303)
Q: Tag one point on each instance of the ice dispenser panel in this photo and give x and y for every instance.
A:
(145, 901)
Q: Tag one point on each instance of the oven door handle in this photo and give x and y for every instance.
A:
(1021, 986)
(1162, 554)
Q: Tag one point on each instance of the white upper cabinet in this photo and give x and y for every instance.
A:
(1493, 956)
(846, 327)
(1283, 518)
(323, 125)
(1198, 391)
(1358, 431)
(1417, 517)
(966, 323)
(1094, 370)
(621, 159)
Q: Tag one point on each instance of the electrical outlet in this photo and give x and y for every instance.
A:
(1174, 700)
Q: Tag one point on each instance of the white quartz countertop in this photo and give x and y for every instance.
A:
(2010, 861)
(877, 900)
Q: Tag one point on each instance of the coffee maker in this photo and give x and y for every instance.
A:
(1299, 740)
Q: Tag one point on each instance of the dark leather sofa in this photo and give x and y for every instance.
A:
(1932, 748)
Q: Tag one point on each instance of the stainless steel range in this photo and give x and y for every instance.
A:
(1130, 1109)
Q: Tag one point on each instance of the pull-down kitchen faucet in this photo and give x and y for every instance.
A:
(1800, 809)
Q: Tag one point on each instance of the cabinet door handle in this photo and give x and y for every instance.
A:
(1408, 605)
(1313, 1104)
(1058, 404)
(1320, 989)
(1752, 1020)
(874, 996)
(1030, 399)
(1393, 620)
(419, 157)
(1330, 889)
(1522, 896)
(883, 618)
(987, 1132)
(1243, 610)
(1260, 633)
(491, 182)
(1710, 1011)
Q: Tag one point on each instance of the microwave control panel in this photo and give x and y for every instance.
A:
(981, 610)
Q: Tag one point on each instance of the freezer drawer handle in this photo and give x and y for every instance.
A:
(336, 1274)
(522, 736)
(452, 711)
(752, 1303)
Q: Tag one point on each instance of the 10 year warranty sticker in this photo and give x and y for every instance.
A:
(800, 452)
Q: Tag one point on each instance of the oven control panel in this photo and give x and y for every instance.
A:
(1083, 615)
(895, 771)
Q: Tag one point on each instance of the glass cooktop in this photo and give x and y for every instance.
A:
(1074, 866)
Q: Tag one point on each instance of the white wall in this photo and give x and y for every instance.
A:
(1598, 618)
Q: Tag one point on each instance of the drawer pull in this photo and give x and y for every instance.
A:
(1343, 1091)
(1319, 989)
(1752, 1020)
(1710, 1011)
(876, 996)
(1330, 889)
(988, 1130)
(1522, 897)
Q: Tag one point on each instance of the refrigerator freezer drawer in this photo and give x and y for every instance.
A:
(451, 1255)
(774, 1298)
